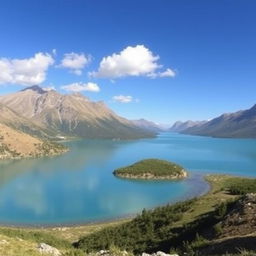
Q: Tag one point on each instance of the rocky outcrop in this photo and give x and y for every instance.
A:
(110, 253)
(47, 249)
(159, 253)
(241, 219)
(150, 176)
(125, 253)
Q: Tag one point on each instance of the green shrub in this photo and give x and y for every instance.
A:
(242, 186)
(145, 233)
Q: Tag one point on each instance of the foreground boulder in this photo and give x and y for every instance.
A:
(47, 249)
(159, 253)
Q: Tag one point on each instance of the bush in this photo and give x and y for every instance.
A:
(145, 233)
(242, 186)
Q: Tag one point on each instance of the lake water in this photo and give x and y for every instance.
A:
(79, 186)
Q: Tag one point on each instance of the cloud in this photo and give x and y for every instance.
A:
(79, 87)
(75, 62)
(132, 61)
(29, 71)
(123, 99)
(167, 73)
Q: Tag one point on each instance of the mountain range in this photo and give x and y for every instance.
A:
(241, 124)
(50, 114)
(181, 126)
(148, 125)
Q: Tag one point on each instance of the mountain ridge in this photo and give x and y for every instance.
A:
(148, 125)
(71, 115)
(240, 124)
(181, 126)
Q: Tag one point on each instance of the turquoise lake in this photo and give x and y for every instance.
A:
(79, 186)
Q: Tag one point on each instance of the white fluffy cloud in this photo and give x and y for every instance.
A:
(123, 98)
(79, 87)
(132, 61)
(25, 71)
(167, 73)
(75, 62)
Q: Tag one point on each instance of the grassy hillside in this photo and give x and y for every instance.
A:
(188, 227)
(152, 169)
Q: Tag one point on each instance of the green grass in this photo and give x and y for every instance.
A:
(154, 167)
(36, 236)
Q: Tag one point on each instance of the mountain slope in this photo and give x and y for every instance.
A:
(147, 125)
(181, 126)
(241, 124)
(17, 122)
(17, 144)
(71, 115)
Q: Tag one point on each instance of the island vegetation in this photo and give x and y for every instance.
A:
(152, 169)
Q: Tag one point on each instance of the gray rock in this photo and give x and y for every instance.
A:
(3, 242)
(145, 254)
(159, 253)
(47, 249)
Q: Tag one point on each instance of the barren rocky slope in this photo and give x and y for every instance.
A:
(71, 115)
(241, 124)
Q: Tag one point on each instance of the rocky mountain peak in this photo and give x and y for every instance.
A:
(35, 88)
(253, 108)
(80, 95)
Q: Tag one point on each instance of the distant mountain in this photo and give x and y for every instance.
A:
(71, 115)
(241, 124)
(181, 126)
(148, 125)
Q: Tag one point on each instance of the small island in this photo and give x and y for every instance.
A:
(152, 169)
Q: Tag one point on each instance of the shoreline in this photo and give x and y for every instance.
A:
(119, 219)
(151, 177)
(210, 179)
(205, 202)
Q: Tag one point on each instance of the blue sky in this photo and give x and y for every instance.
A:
(167, 59)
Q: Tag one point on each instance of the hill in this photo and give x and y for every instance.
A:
(16, 144)
(71, 115)
(241, 124)
(152, 169)
(215, 224)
